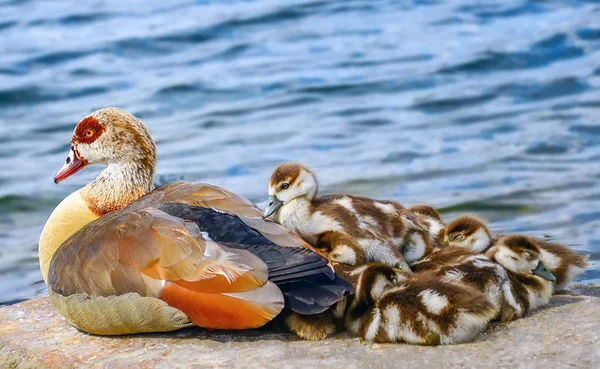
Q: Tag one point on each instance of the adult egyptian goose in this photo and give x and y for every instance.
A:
(348, 229)
(472, 233)
(119, 256)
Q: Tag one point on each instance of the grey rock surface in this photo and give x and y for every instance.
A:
(564, 334)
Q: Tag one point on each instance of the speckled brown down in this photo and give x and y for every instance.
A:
(392, 306)
(453, 263)
(472, 233)
(348, 229)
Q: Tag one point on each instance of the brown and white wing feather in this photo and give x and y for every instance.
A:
(158, 255)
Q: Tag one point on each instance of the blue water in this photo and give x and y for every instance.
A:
(480, 107)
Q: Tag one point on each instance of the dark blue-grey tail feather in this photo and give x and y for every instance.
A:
(308, 284)
(315, 298)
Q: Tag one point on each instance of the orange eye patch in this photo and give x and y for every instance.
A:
(88, 130)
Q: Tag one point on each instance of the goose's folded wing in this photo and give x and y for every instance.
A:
(223, 201)
(306, 278)
(159, 255)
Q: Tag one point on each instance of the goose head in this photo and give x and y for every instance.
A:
(117, 139)
(469, 232)
(520, 255)
(109, 136)
(290, 181)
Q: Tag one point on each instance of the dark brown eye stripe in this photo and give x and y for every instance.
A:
(85, 127)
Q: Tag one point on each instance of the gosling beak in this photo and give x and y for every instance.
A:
(73, 164)
(543, 272)
(403, 265)
(272, 205)
(445, 238)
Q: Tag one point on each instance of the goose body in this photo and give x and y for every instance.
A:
(472, 233)
(348, 229)
(392, 306)
(120, 257)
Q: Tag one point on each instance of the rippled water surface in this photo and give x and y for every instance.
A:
(484, 107)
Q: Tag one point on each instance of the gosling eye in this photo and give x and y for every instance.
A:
(285, 186)
(527, 255)
(459, 237)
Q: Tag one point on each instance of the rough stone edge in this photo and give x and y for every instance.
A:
(15, 356)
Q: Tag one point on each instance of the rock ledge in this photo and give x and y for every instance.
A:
(565, 334)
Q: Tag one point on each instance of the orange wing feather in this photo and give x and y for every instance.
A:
(220, 310)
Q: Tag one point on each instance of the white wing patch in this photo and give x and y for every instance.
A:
(374, 326)
(433, 301)
(206, 236)
(386, 208)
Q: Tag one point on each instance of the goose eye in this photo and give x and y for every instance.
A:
(89, 132)
(285, 186)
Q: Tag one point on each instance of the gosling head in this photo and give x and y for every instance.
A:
(520, 255)
(426, 210)
(470, 232)
(377, 278)
(288, 182)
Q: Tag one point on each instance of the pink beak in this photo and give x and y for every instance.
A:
(72, 165)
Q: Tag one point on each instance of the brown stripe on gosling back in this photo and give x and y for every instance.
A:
(460, 297)
(441, 257)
